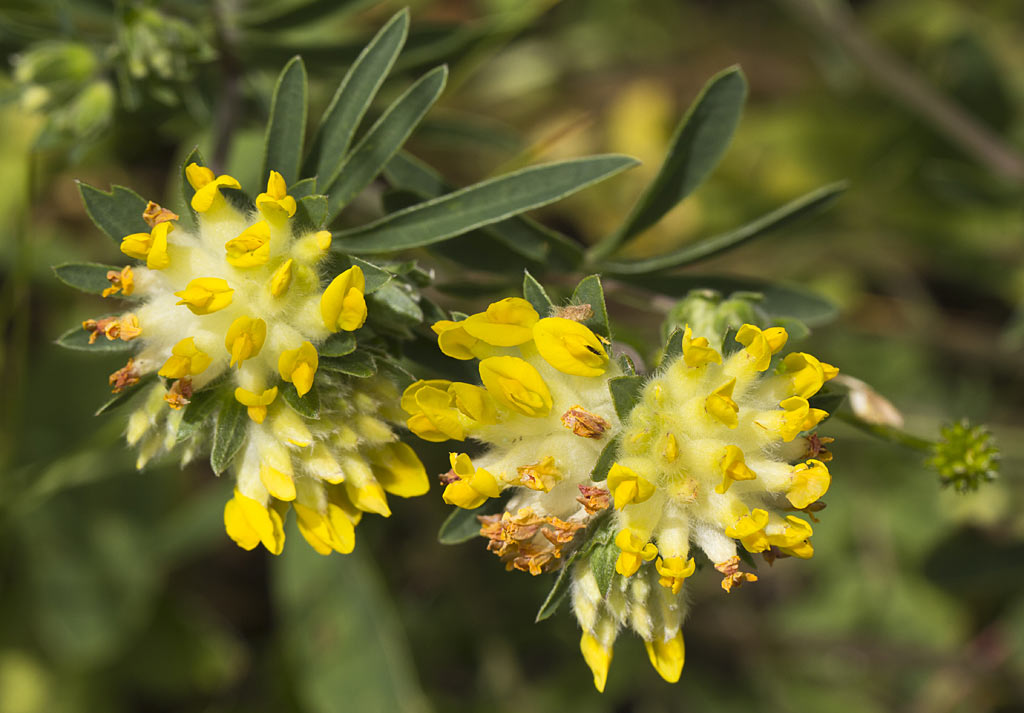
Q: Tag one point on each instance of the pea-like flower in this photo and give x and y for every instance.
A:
(250, 348)
(715, 451)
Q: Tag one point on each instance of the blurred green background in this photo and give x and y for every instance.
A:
(119, 590)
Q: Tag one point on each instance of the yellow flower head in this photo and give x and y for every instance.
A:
(235, 318)
(707, 452)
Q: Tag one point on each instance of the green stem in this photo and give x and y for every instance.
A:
(886, 433)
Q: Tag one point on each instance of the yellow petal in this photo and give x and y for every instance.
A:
(570, 347)
(598, 659)
(667, 657)
(342, 305)
(278, 483)
(205, 295)
(399, 471)
(282, 278)
(298, 367)
(244, 339)
(507, 323)
(720, 406)
(515, 383)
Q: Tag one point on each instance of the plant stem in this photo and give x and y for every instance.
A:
(885, 433)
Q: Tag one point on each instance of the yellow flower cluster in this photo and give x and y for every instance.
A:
(718, 450)
(545, 408)
(240, 300)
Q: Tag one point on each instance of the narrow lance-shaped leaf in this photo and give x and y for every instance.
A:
(85, 276)
(696, 148)
(791, 212)
(353, 98)
(590, 292)
(481, 204)
(287, 125)
(78, 338)
(228, 434)
(383, 139)
(117, 213)
(521, 234)
(535, 294)
(625, 392)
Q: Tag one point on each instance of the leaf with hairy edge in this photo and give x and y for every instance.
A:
(117, 213)
(303, 188)
(353, 97)
(201, 407)
(602, 564)
(559, 591)
(78, 338)
(481, 204)
(338, 344)
(376, 277)
(625, 392)
(286, 127)
(383, 139)
(696, 148)
(520, 234)
(809, 204)
(462, 526)
(88, 277)
(606, 459)
(359, 364)
(674, 347)
(590, 292)
(126, 394)
(310, 213)
(535, 294)
(228, 434)
(307, 405)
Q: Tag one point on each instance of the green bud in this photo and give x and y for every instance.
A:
(90, 111)
(711, 316)
(965, 457)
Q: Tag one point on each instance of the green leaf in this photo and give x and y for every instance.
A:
(590, 292)
(287, 125)
(303, 188)
(626, 391)
(118, 213)
(699, 142)
(394, 306)
(360, 364)
(337, 345)
(674, 347)
(520, 234)
(828, 400)
(462, 526)
(607, 458)
(77, 338)
(200, 408)
(535, 294)
(779, 300)
(341, 651)
(307, 405)
(376, 276)
(602, 564)
(481, 204)
(793, 211)
(310, 213)
(559, 591)
(353, 98)
(85, 276)
(126, 394)
(383, 139)
(228, 434)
